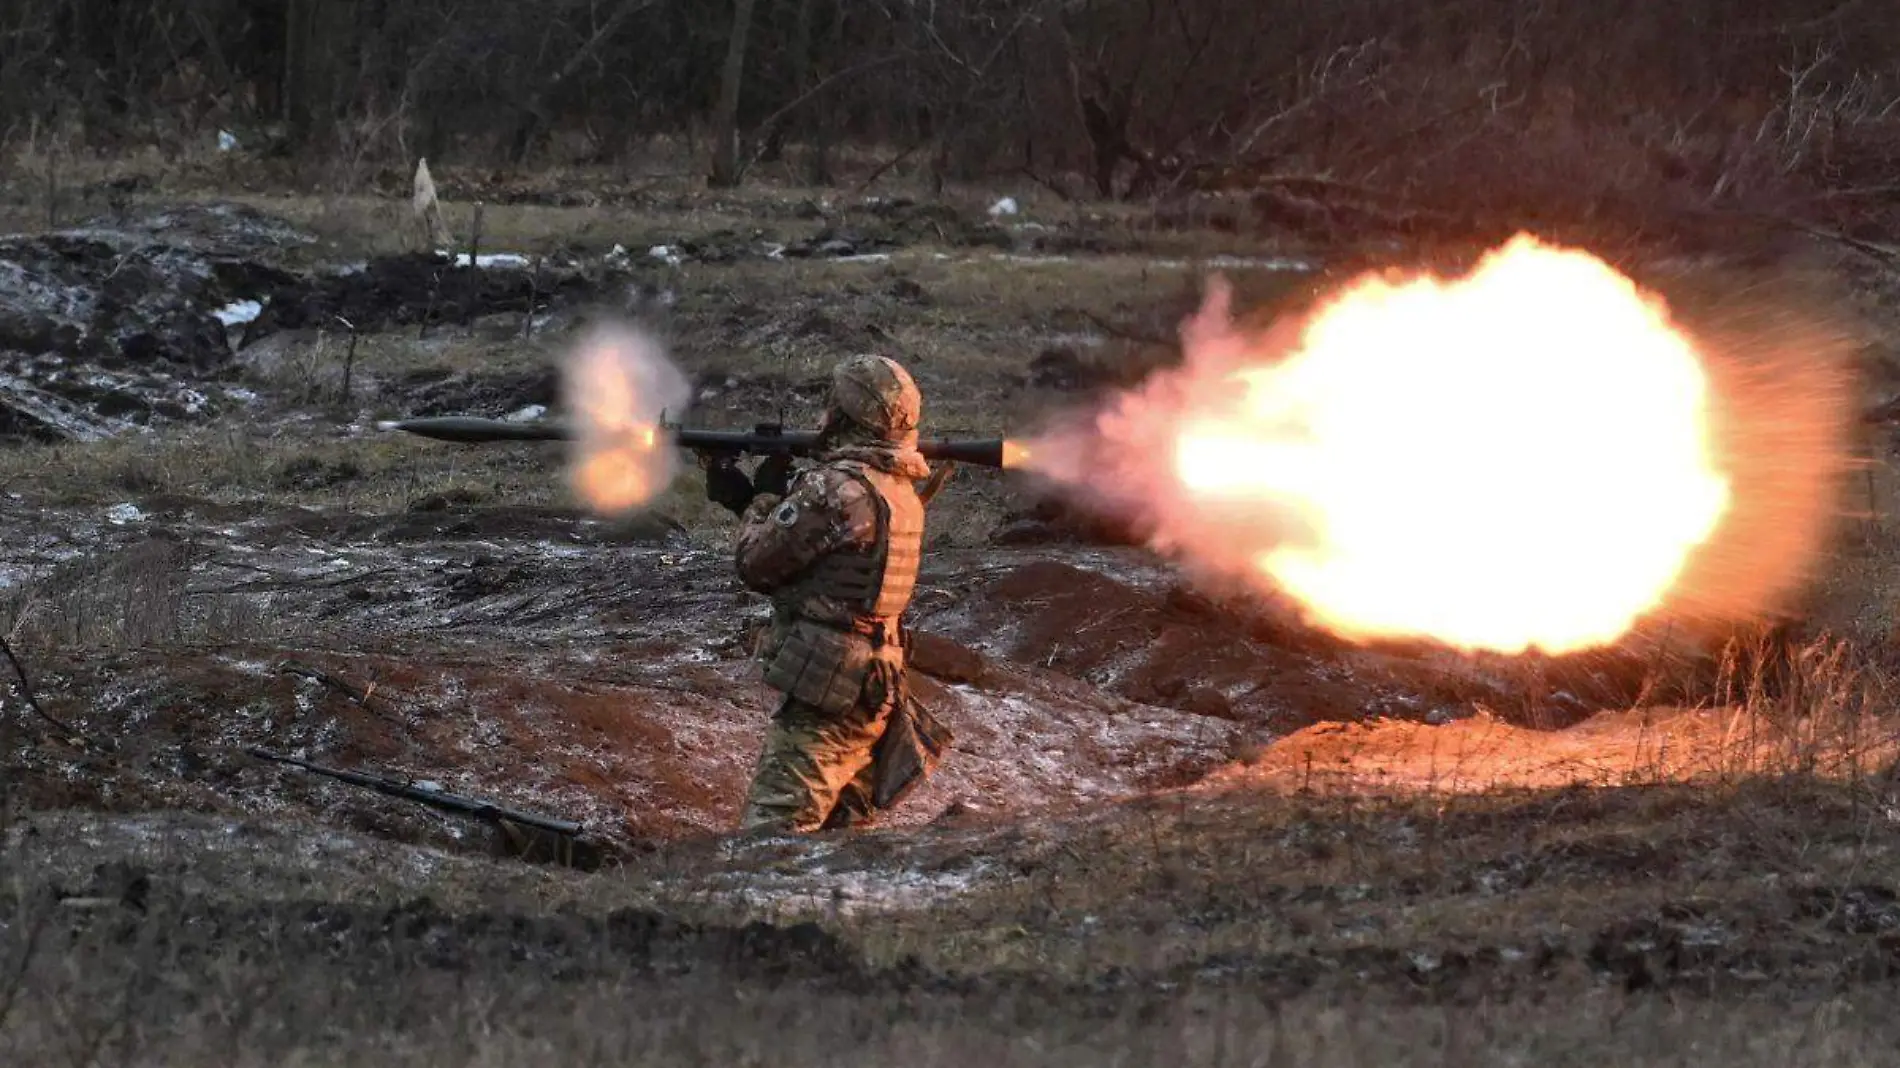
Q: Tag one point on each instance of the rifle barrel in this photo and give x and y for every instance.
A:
(442, 799)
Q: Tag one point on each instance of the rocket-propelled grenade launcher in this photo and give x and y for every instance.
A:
(765, 439)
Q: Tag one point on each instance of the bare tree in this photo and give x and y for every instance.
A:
(725, 159)
(534, 116)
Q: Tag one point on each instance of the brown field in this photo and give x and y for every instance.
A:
(1178, 827)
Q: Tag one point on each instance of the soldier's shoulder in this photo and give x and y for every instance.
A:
(843, 466)
(839, 479)
(820, 491)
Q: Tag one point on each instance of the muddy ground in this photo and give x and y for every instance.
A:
(1178, 826)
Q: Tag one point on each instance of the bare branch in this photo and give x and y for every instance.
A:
(763, 130)
(32, 699)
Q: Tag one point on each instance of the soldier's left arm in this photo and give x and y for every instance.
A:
(779, 539)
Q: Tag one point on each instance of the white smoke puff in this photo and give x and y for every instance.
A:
(617, 385)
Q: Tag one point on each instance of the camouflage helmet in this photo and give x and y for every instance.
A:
(877, 394)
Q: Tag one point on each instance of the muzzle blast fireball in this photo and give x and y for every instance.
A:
(1530, 456)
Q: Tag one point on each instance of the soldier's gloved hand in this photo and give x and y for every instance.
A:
(727, 486)
(774, 476)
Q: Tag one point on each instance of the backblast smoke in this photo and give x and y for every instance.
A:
(617, 384)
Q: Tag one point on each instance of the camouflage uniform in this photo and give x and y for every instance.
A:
(838, 555)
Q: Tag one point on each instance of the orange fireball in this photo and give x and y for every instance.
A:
(1517, 458)
(618, 383)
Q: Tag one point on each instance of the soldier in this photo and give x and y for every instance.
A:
(836, 547)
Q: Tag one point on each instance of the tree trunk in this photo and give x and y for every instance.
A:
(725, 160)
(800, 81)
(294, 96)
(826, 123)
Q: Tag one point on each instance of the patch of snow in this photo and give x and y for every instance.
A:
(1237, 263)
(618, 256)
(526, 415)
(1005, 206)
(1227, 263)
(1034, 261)
(666, 254)
(848, 892)
(1081, 341)
(865, 257)
(239, 312)
(121, 514)
(487, 260)
(227, 141)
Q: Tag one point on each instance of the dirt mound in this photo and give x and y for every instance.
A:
(447, 391)
(219, 228)
(877, 228)
(46, 398)
(1153, 642)
(110, 299)
(1137, 630)
(908, 222)
(439, 519)
(102, 330)
(419, 288)
(1050, 518)
(1613, 748)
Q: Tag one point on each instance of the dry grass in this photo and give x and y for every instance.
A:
(135, 598)
(1223, 931)
(1176, 885)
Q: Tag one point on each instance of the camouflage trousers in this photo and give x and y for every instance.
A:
(816, 770)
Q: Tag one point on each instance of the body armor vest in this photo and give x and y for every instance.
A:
(825, 663)
(877, 584)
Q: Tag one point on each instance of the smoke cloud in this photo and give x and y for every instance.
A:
(616, 385)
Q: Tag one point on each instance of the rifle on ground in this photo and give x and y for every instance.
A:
(514, 822)
(765, 439)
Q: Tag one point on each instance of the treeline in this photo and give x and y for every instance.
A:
(1714, 99)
